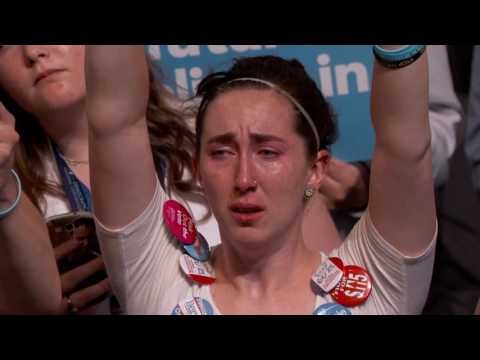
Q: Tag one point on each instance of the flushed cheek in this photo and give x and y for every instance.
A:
(274, 168)
(20, 93)
(217, 197)
(12, 80)
(216, 184)
(279, 175)
(283, 185)
(216, 171)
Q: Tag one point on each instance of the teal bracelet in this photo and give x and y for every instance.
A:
(5, 212)
(398, 58)
(400, 54)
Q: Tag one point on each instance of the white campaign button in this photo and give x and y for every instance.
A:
(327, 275)
(198, 271)
(193, 306)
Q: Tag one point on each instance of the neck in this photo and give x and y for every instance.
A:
(69, 130)
(268, 268)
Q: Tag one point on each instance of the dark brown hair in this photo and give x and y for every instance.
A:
(289, 75)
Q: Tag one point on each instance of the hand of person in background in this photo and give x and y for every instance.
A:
(345, 186)
(29, 282)
(81, 300)
(8, 140)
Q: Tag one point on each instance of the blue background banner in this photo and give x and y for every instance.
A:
(342, 72)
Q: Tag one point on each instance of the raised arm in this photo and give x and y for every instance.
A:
(346, 186)
(401, 199)
(117, 96)
(29, 280)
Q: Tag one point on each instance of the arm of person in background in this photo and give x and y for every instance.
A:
(346, 185)
(472, 132)
(445, 111)
(29, 281)
(401, 197)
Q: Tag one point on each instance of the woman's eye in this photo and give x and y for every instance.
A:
(269, 153)
(220, 153)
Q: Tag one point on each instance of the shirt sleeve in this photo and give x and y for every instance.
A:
(400, 284)
(142, 261)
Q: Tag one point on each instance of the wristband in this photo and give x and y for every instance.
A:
(398, 58)
(5, 212)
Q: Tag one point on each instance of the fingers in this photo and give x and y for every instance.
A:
(5, 116)
(344, 186)
(333, 191)
(67, 248)
(343, 172)
(79, 300)
(74, 277)
(8, 138)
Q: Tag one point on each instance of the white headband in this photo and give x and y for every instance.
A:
(291, 98)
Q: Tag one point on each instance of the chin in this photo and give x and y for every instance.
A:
(248, 236)
(60, 101)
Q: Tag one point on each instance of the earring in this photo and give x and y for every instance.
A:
(308, 194)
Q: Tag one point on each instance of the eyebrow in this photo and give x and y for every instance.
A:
(263, 138)
(226, 138)
(229, 138)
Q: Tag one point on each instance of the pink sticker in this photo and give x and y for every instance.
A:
(198, 271)
(179, 222)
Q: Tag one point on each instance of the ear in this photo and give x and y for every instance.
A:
(318, 169)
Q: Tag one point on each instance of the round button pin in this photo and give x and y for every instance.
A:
(179, 222)
(354, 288)
(207, 308)
(199, 250)
(331, 309)
(176, 310)
(200, 272)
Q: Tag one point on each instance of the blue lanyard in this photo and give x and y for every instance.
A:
(77, 193)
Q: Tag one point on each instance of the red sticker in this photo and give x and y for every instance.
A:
(204, 280)
(354, 288)
(337, 261)
(179, 222)
(200, 272)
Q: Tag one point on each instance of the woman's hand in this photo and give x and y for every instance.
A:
(80, 300)
(8, 139)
